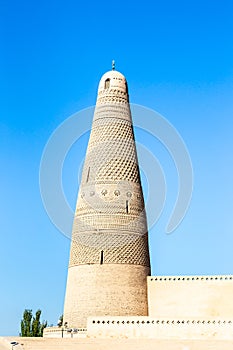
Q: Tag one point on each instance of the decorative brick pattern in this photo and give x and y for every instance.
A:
(117, 248)
(161, 328)
(109, 256)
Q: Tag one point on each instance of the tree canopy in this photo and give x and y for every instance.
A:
(31, 326)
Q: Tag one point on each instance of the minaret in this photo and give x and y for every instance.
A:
(109, 256)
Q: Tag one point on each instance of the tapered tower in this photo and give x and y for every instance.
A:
(109, 256)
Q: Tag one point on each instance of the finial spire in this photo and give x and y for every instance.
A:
(113, 65)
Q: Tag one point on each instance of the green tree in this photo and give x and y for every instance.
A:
(60, 321)
(26, 330)
(31, 326)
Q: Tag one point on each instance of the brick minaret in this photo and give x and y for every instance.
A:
(109, 257)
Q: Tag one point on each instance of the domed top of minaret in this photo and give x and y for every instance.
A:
(113, 88)
(113, 80)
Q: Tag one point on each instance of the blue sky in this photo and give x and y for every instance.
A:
(178, 59)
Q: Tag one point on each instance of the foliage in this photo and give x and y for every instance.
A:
(31, 326)
(60, 321)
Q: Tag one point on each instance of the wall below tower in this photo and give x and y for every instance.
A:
(190, 297)
(180, 307)
(103, 290)
(148, 327)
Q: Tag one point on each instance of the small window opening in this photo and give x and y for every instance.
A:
(101, 257)
(126, 87)
(107, 83)
(127, 207)
(88, 174)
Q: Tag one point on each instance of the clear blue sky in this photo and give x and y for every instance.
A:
(178, 59)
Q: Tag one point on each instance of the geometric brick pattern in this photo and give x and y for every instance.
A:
(110, 227)
(111, 154)
(118, 248)
(110, 220)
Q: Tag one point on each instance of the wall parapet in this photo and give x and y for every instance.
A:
(147, 327)
(190, 278)
(64, 332)
(190, 296)
(161, 321)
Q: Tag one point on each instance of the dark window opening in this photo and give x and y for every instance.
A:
(101, 257)
(126, 87)
(88, 174)
(107, 83)
(127, 207)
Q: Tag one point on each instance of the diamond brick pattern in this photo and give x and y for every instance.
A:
(109, 255)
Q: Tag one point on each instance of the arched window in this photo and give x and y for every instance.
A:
(107, 83)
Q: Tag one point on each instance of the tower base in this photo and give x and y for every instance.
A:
(105, 290)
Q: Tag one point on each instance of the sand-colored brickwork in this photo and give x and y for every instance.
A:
(105, 290)
(190, 297)
(109, 256)
(148, 327)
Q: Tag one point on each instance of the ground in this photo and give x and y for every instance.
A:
(113, 344)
